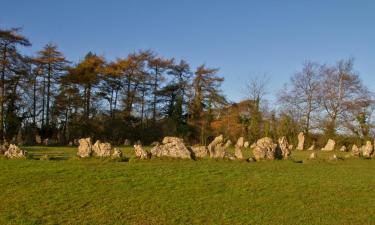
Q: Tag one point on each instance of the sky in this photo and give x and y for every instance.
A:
(242, 38)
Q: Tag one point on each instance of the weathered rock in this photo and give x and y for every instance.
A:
(172, 147)
(343, 149)
(127, 142)
(217, 149)
(368, 149)
(312, 148)
(313, 155)
(246, 144)
(140, 152)
(102, 149)
(264, 149)
(355, 151)
(84, 148)
(228, 144)
(301, 141)
(240, 142)
(14, 152)
(238, 152)
(291, 147)
(199, 151)
(330, 146)
(155, 143)
(116, 153)
(38, 139)
(284, 147)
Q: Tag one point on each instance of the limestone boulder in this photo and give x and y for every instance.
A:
(301, 141)
(14, 152)
(140, 152)
(284, 148)
(356, 151)
(330, 146)
(102, 149)
(199, 151)
(84, 148)
(171, 147)
(367, 150)
(264, 149)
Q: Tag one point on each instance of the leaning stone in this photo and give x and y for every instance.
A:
(330, 146)
(140, 153)
(301, 141)
(367, 150)
(14, 152)
(199, 151)
(84, 148)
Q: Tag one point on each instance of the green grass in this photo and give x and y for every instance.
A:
(67, 190)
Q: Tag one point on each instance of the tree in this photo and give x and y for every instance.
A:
(302, 96)
(341, 90)
(53, 64)
(9, 41)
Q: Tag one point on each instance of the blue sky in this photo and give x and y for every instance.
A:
(242, 38)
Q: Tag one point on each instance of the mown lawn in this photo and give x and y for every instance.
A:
(66, 190)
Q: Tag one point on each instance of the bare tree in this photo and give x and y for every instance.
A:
(302, 97)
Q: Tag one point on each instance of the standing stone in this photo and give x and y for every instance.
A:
(240, 142)
(264, 149)
(313, 155)
(367, 150)
(217, 149)
(84, 148)
(116, 153)
(15, 152)
(330, 146)
(284, 147)
(199, 151)
(228, 144)
(355, 151)
(38, 139)
(301, 141)
(312, 147)
(238, 148)
(102, 149)
(343, 148)
(172, 147)
(127, 142)
(246, 144)
(140, 153)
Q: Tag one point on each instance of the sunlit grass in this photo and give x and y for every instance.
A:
(168, 191)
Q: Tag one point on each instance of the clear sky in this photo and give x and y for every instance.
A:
(242, 38)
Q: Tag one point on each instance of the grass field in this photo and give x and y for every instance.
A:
(66, 190)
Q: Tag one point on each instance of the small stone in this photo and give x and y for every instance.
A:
(246, 144)
(343, 148)
(199, 151)
(140, 153)
(313, 155)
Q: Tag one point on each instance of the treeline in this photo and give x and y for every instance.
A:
(144, 96)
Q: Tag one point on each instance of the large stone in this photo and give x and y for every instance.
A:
(284, 147)
(172, 147)
(330, 146)
(140, 152)
(264, 149)
(301, 141)
(355, 151)
(199, 151)
(14, 152)
(84, 148)
(368, 149)
(102, 149)
(240, 142)
(217, 149)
